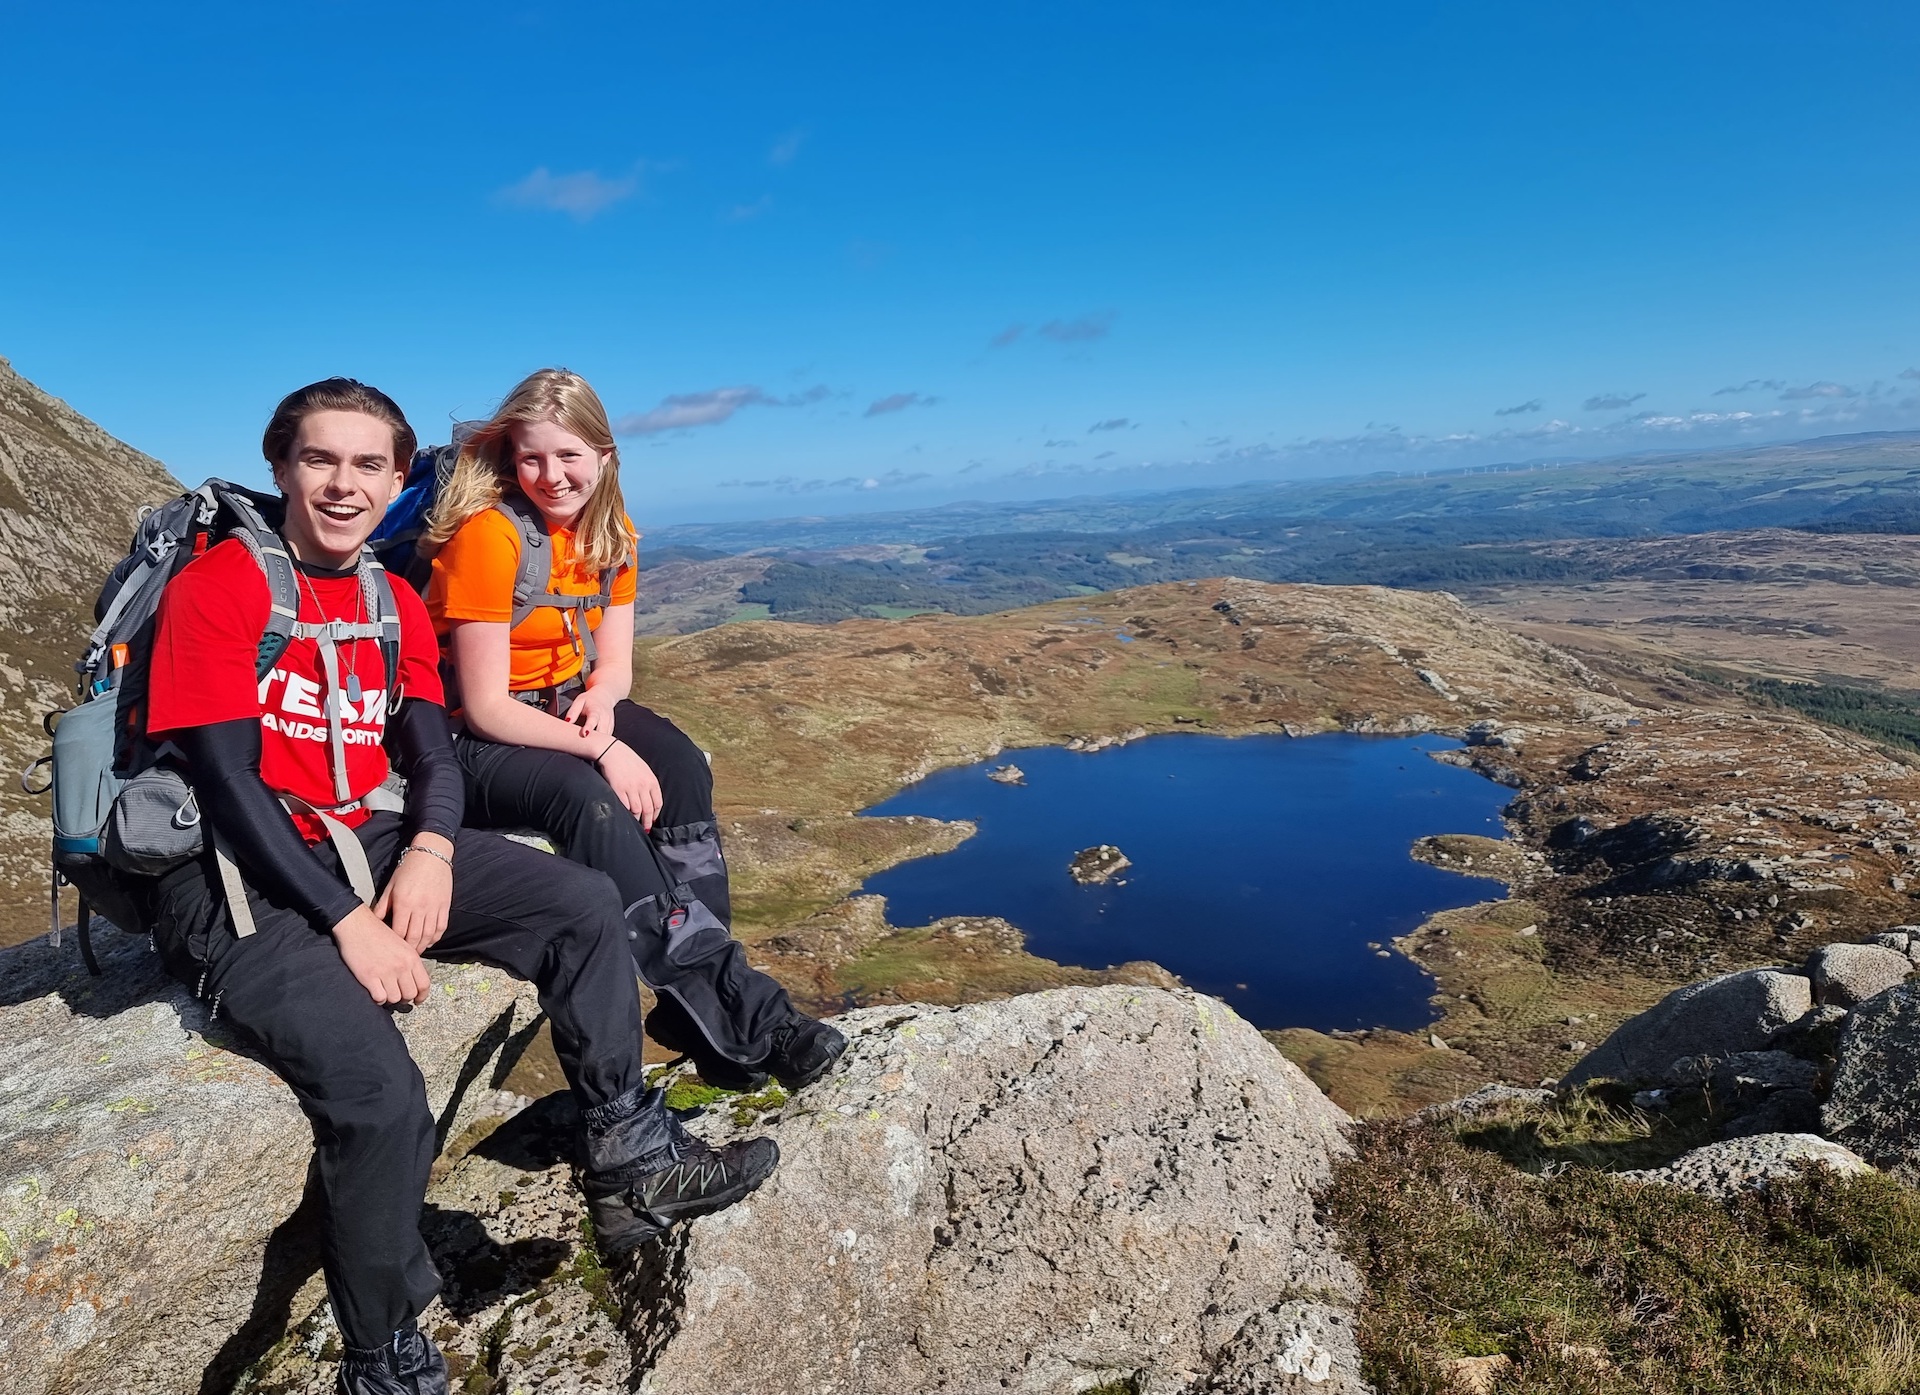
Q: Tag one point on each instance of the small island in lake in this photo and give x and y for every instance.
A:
(1096, 865)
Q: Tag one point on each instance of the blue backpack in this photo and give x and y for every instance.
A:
(396, 542)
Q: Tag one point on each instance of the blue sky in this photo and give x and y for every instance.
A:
(848, 256)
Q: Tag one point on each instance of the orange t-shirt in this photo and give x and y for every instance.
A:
(473, 580)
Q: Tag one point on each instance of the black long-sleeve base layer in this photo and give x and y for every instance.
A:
(287, 989)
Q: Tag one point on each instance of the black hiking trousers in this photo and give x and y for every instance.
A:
(673, 886)
(286, 989)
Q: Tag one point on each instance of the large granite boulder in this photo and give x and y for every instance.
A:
(1873, 1098)
(1846, 975)
(152, 1226)
(1086, 1187)
(1713, 1018)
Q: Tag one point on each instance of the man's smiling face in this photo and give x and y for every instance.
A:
(339, 476)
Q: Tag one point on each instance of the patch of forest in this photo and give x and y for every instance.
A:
(1882, 715)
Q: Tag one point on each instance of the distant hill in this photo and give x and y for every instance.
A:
(69, 498)
(1682, 491)
(1454, 530)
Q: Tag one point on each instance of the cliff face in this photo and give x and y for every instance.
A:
(69, 497)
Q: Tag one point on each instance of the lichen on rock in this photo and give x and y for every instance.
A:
(1058, 1191)
(153, 1171)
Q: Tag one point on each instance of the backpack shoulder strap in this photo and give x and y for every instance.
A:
(535, 577)
(270, 553)
(377, 586)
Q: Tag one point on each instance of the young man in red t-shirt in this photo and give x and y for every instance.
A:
(312, 981)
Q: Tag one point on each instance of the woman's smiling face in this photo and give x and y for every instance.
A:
(556, 469)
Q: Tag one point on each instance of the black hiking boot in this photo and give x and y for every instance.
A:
(670, 1025)
(644, 1171)
(409, 1364)
(803, 1051)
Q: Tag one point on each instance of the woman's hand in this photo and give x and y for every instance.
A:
(386, 965)
(633, 781)
(592, 711)
(418, 895)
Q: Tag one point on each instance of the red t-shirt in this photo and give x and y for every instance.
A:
(206, 641)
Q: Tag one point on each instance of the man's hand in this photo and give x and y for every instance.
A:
(592, 712)
(634, 783)
(417, 896)
(385, 964)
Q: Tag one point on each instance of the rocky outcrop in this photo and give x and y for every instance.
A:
(1722, 1170)
(1053, 1192)
(1071, 1189)
(1086, 1187)
(1873, 1102)
(1845, 975)
(1716, 1018)
(152, 1229)
(1098, 865)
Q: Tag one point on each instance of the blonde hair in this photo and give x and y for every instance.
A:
(485, 469)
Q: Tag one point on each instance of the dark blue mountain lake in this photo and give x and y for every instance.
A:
(1262, 865)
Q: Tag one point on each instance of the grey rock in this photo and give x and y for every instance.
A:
(1845, 975)
(1746, 1076)
(1717, 1017)
(1488, 1099)
(1873, 1099)
(521, 1307)
(1813, 1036)
(1723, 1170)
(1781, 1111)
(147, 1160)
(1897, 940)
(1056, 1191)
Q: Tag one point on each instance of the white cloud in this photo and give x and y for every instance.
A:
(786, 148)
(1813, 390)
(685, 410)
(790, 484)
(898, 402)
(580, 196)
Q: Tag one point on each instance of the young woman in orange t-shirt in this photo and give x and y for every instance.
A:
(551, 739)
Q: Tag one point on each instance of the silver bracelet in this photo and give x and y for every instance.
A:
(430, 852)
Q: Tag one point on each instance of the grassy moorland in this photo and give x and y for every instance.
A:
(1505, 1243)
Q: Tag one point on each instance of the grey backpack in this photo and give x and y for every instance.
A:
(533, 583)
(122, 809)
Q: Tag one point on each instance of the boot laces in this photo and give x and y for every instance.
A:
(690, 1175)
